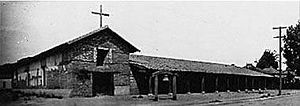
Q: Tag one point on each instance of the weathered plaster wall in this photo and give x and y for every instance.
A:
(139, 81)
(70, 80)
(36, 73)
(58, 78)
(84, 53)
(60, 69)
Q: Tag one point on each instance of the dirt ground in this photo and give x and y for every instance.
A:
(285, 100)
(221, 98)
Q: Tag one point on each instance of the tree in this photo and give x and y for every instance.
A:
(291, 48)
(267, 60)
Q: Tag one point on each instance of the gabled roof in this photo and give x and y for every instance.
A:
(169, 64)
(60, 47)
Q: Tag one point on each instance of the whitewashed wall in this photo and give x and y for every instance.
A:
(35, 70)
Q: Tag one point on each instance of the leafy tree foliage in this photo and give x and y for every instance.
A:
(291, 48)
(267, 60)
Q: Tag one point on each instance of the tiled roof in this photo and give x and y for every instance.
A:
(269, 71)
(273, 71)
(170, 64)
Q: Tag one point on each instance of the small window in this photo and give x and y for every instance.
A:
(101, 54)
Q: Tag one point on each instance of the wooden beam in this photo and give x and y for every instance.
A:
(174, 88)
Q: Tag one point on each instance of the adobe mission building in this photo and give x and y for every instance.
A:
(101, 63)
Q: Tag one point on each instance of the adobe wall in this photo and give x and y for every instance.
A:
(61, 70)
(83, 55)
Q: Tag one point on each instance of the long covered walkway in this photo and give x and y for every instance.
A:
(196, 77)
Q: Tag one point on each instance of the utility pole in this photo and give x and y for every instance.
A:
(100, 14)
(280, 71)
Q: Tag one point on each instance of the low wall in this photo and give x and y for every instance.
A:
(63, 93)
(122, 90)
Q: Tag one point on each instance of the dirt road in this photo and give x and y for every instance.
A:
(292, 98)
(285, 100)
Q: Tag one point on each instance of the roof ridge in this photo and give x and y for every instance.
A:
(87, 34)
(183, 60)
(164, 63)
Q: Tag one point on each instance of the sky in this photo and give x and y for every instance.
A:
(234, 32)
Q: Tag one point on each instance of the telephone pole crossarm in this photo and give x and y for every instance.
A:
(280, 71)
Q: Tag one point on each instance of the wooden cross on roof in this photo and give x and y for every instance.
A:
(100, 14)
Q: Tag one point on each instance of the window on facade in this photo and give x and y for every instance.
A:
(101, 54)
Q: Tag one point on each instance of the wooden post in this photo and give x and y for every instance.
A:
(253, 83)
(227, 83)
(233, 83)
(112, 82)
(156, 88)
(238, 83)
(44, 75)
(150, 86)
(246, 83)
(174, 88)
(37, 78)
(170, 85)
(272, 83)
(216, 87)
(265, 83)
(188, 86)
(202, 83)
(92, 83)
(258, 83)
(17, 82)
(28, 78)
